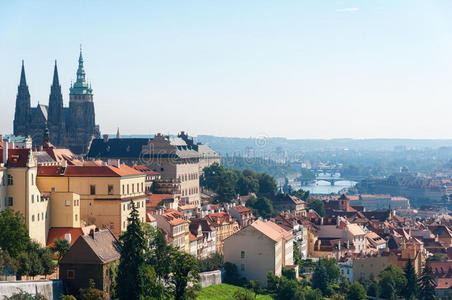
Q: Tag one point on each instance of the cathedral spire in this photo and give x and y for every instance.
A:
(56, 81)
(23, 81)
(81, 86)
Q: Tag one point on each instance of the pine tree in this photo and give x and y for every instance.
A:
(410, 275)
(427, 284)
(128, 283)
(320, 278)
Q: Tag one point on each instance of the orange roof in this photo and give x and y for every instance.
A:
(174, 217)
(187, 207)
(146, 170)
(60, 232)
(242, 209)
(272, 230)
(156, 199)
(88, 171)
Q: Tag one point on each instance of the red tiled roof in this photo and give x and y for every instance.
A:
(87, 171)
(17, 158)
(60, 232)
(242, 209)
(146, 170)
(156, 199)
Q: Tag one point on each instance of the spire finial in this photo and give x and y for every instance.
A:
(23, 81)
(56, 81)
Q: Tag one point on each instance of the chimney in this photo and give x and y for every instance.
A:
(114, 162)
(105, 138)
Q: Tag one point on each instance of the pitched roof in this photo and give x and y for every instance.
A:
(156, 199)
(99, 248)
(271, 230)
(355, 229)
(17, 158)
(88, 171)
(63, 232)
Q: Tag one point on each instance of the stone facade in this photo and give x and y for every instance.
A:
(72, 127)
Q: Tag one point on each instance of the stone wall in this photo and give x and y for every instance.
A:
(210, 278)
(51, 289)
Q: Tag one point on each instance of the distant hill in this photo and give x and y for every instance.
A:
(278, 146)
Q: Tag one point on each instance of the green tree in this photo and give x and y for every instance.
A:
(184, 270)
(160, 257)
(12, 224)
(36, 267)
(21, 295)
(315, 294)
(61, 247)
(333, 271)
(226, 189)
(261, 207)
(212, 176)
(301, 194)
(243, 295)
(356, 292)
(411, 278)
(267, 185)
(272, 282)
(128, 281)
(438, 257)
(23, 264)
(287, 289)
(387, 287)
(398, 278)
(320, 279)
(67, 297)
(247, 184)
(213, 262)
(427, 284)
(372, 288)
(318, 206)
(91, 293)
(46, 257)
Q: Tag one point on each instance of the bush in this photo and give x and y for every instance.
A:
(214, 262)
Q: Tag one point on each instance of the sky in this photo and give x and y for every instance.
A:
(295, 69)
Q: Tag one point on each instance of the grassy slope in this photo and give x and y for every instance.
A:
(223, 292)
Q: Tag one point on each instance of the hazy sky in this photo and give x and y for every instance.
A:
(298, 69)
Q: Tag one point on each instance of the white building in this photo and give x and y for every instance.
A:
(258, 249)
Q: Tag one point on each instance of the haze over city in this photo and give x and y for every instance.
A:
(305, 69)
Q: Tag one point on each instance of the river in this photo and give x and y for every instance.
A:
(320, 186)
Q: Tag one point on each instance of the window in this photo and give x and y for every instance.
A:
(133, 188)
(127, 189)
(42, 216)
(123, 189)
(38, 216)
(32, 180)
(33, 218)
(3, 180)
(10, 180)
(242, 254)
(92, 190)
(142, 187)
(70, 274)
(76, 217)
(110, 189)
(10, 201)
(32, 198)
(67, 203)
(123, 207)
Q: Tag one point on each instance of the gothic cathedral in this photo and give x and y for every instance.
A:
(71, 127)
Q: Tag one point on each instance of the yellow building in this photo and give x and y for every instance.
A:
(101, 193)
(225, 226)
(20, 192)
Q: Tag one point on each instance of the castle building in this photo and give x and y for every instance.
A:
(70, 127)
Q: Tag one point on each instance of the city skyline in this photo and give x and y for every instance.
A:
(342, 69)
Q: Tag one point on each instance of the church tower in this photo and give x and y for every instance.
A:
(56, 122)
(81, 112)
(22, 115)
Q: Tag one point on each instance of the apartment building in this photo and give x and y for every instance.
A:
(101, 192)
(258, 249)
